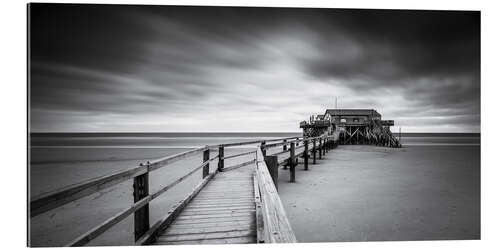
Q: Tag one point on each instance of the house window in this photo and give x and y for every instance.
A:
(355, 120)
(342, 120)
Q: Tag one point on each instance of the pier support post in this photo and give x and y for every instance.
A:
(221, 159)
(296, 146)
(306, 154)
(320, 147)
(325, 142)
(263, 148)
(141, 216)
(325, 146)
(292, 162)
(206, 157)
(272, 167)
(314, 151)
(284, 149)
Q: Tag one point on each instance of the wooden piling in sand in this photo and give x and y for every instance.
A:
(292, 162)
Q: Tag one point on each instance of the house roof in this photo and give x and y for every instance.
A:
(336, 112)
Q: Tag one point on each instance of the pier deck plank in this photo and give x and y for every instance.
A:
(222, 213)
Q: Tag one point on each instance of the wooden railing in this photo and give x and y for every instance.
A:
(272, 223)
(143, 232)
(297, 147)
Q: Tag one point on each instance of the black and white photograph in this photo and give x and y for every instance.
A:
(187, 125)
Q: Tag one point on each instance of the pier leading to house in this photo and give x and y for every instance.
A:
(233, 204)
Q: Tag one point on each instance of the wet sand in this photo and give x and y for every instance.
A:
(357, 193)
(367, 193)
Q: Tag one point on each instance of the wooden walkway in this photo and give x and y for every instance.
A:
(222, 213)
(233, 204)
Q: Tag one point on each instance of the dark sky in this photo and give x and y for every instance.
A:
(166, 68)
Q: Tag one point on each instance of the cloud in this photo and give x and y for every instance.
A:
(167, 68)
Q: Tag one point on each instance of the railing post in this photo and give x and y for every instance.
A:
(272, 166)
(326, 146)
(306, 154)
(296, 145)
(314, 151)
(263, 148)
(292, 162)
(221, 158)
(206, 157)
(284, 149)
(320, 147)
(141, 216)
(323, 147)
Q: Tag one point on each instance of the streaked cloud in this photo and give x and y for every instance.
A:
(166, 68)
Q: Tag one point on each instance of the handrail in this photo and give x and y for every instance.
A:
(53, 199)
(169, 186)
(98, 230)
(278, 144)
(237, 143)
(238, 165)
(253, 142)
(276, 227)
(293, 141)
(237, 155)
(286, 138)
(156, 164)
(280, 152)
(50, 200)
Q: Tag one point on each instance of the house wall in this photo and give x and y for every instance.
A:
(358, 119)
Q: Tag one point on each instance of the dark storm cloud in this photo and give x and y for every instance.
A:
(431, 57)
(95, 36)
(395, 45)
(101, 67)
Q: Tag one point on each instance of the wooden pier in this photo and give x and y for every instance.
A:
(233, 204)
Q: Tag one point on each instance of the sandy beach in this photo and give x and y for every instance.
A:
(356, 193)
(57, 227)
(367, 193)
